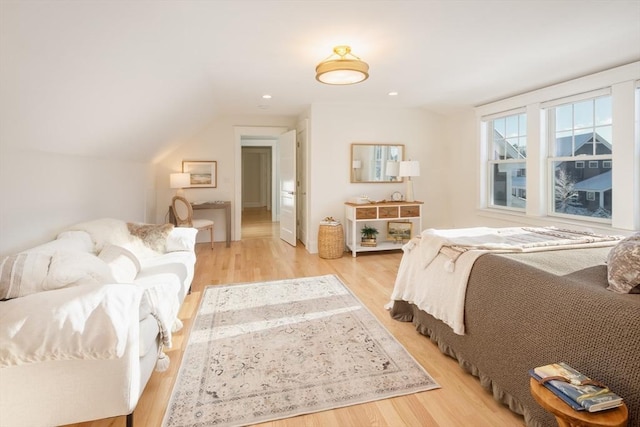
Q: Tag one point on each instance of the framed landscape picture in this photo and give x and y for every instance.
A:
(204, 173)
(399, 231)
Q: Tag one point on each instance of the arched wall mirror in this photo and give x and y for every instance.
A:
(375, 162)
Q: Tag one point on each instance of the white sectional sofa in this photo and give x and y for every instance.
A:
(85, 317)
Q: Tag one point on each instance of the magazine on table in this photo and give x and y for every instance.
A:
(576, 389)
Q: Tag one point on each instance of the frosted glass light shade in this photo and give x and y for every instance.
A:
(179, 180)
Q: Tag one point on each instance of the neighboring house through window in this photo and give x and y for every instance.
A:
(507, 155)
(581, 129)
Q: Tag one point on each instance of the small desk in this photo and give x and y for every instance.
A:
(211, 205)
(566, 416)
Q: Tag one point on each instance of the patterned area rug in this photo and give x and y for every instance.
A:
(264, 351)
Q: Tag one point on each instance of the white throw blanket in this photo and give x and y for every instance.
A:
(83, 322)
(435, 267)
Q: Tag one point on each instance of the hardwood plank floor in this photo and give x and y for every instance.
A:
(261, 256)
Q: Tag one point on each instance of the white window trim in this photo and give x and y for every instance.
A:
(623, 81)
(579, 164)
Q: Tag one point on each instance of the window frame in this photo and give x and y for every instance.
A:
(488, 126)
(623, 84)
(586, 159)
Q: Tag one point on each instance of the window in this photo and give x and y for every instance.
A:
(606, 164)
(507, 137)
(584, 129)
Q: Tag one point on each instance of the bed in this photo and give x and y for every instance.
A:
(526, 308)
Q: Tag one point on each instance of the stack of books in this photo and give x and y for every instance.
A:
(577, 390)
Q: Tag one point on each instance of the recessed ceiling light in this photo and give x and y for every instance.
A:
(266, 96)
(393, 93)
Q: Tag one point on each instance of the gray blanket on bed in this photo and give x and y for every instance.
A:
(527, 310)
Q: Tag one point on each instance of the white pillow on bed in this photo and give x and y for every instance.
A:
(623, 266)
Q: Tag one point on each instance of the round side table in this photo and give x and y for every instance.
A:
(569, 417)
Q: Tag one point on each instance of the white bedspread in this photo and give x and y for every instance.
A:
(435, 267)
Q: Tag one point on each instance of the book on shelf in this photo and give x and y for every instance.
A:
(576, 389)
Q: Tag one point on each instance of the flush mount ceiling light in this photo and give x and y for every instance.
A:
(342, 68)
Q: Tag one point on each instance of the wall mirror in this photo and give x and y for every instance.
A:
(375, 162)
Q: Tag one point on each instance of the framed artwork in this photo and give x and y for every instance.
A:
(399, 231)
(204, 174)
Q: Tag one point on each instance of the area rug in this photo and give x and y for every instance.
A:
(264, 351)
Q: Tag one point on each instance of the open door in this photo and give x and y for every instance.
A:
(287, 198)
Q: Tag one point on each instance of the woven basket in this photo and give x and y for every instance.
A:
(330, 241)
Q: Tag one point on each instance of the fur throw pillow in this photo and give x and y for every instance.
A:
(152, 235)
(623, 266)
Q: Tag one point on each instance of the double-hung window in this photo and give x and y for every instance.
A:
(580, 157)
(507, 144)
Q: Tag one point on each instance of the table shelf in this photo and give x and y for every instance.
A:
(379, 215)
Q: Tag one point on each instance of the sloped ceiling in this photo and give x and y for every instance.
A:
(127, 79)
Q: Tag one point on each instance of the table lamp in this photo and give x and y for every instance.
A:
(409, 169)
(179, 181)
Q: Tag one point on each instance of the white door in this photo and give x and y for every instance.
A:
(287, 162)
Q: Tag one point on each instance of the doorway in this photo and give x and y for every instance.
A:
(267, 136)
(258, 178)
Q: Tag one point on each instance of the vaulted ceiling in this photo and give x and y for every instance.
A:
(128, 79)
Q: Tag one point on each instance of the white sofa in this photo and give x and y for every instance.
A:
(84, 340)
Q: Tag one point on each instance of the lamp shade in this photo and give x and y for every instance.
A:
(409, 168)
(356, 164)
(179, 180)
(393, 168)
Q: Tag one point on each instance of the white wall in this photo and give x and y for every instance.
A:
(216, 142)
(42, 193)
(332, 130)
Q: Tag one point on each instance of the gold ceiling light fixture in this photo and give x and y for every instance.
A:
(342, 68)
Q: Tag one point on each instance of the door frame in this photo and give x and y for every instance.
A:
(239, 132)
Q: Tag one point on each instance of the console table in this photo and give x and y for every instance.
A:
(376, 214)
(211, 205)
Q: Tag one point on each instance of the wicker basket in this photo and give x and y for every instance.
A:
(330, 241)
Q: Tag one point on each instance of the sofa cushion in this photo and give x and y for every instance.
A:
(181, 239)
(23, 274)
(30, 272)
(77, 268)
(623, 266)
(124, 265)
(103, 231)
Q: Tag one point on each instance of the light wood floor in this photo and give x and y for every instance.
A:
(460, 402)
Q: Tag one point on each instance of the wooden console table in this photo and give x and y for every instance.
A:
(357, 215)
(212, 205)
